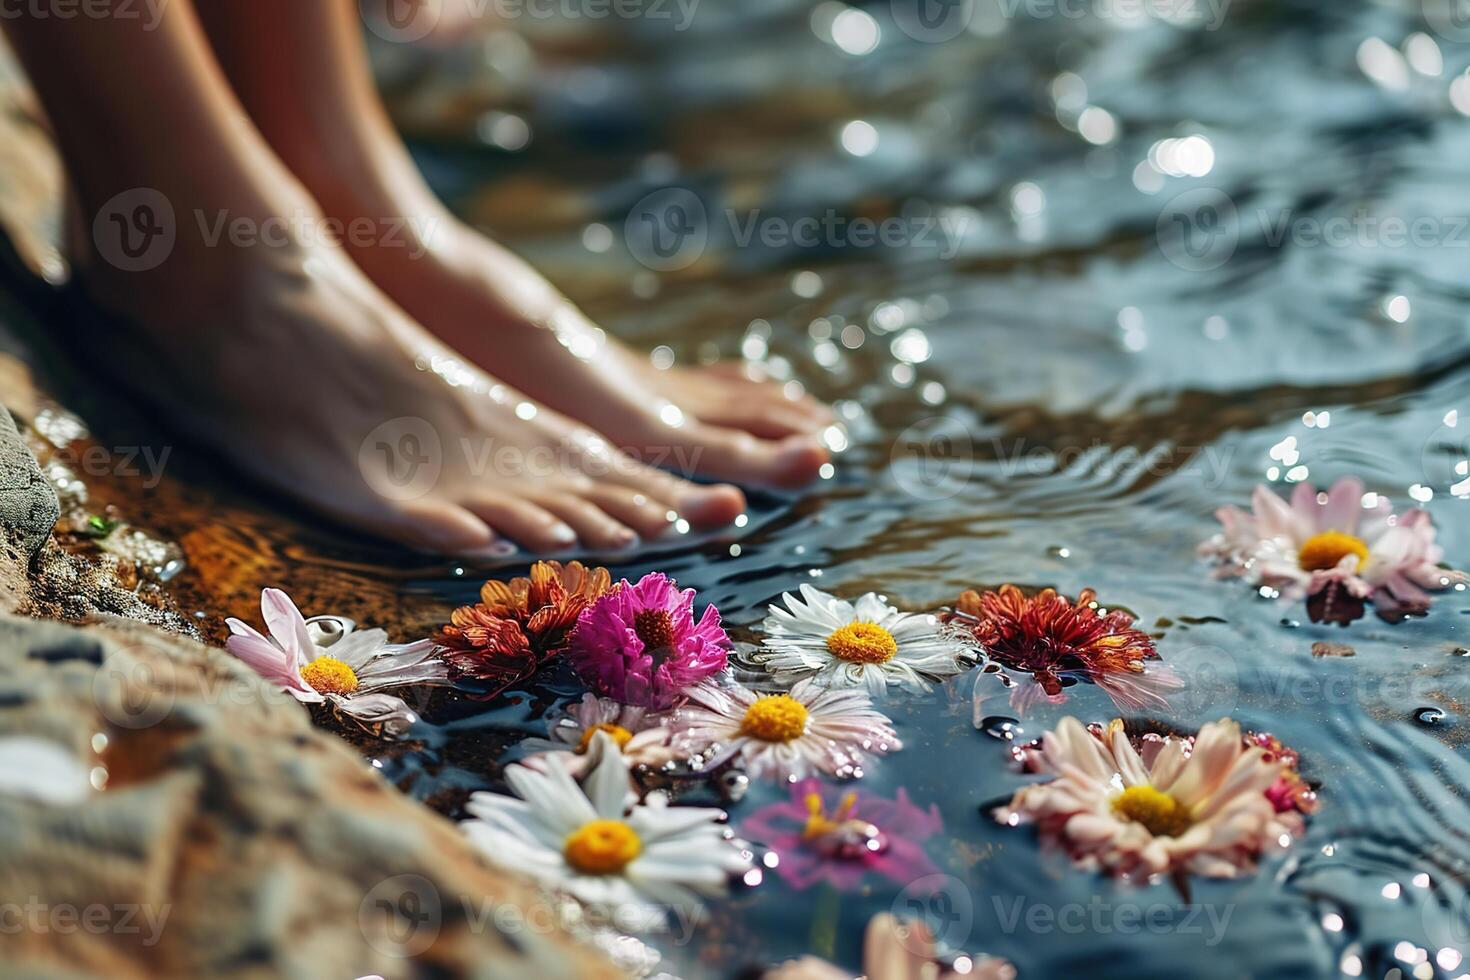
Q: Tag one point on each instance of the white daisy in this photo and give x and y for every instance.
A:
(326, 659)
(867, 643)
(41, 770)
(635, 731)
(785, 736)
(598, 844)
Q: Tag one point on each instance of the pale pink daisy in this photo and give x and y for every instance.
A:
(895, 950)
(810, 729)
(1157, 804)
(1338, 550)
(335, 663)
(639, 734)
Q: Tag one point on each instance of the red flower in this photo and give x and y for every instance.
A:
(1050, 638)
(518, 625)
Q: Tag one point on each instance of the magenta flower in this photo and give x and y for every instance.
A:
(1339, 550)
(639, 644)
(825, 834)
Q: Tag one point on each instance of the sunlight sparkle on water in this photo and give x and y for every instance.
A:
(859, 138)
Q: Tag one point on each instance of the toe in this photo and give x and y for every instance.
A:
(535, 528)
(439, 527)
(646, 515)
(730, 454)
(595, 528)
(704, 507)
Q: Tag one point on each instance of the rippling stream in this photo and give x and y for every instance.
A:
(1074, 278)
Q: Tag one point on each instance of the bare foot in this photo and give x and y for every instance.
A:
(290, 362)
(486, 303)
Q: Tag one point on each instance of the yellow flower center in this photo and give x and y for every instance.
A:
(602, 847)
(775, 718)
(862, 643)
(619, 734)
(328, 675)
(1325, 550)
(819, 823)
(1163, 815)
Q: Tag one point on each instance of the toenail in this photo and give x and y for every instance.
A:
(495, 549)
(625, 539)
(563, 534)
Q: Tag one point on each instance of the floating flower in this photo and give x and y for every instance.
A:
(639, 644)
(1055, 642)
(894, 950)
(601, 846)
(826, 834)
(863, 644)
(1339, 550)
(635, 732)
(343, 667)
(41, 770)
(784, 736)
(517, 626)
(1155, 804)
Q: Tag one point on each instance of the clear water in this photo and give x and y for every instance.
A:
(1093, 389)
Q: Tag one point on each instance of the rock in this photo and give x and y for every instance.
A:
(230, 838)
(28, 504)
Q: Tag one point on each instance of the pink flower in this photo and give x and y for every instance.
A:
(345, 667)
(824, 834)
(1339, 550)
(639, 644)
(1157, 803)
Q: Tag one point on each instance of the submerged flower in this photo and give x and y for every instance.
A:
(639, 644)
(600, 845)
(895, 950)
(784, 736)
(827, 834)
(863, 644)
(345, 668)
(518, 625)
(1339, 550)
(1156, 804)
(1056, 642)
(634, 731)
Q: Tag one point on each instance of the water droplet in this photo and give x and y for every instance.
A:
(1430, 717)
(1001, 727)
(1290, 624)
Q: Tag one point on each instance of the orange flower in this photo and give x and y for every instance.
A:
(1052, 639)
(518, 625)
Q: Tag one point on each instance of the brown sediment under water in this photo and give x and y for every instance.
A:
(1139, 268)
